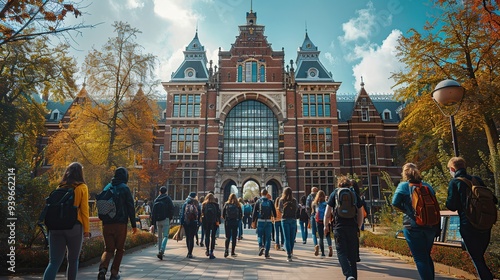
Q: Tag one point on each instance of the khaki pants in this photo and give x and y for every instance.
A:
(114, 240)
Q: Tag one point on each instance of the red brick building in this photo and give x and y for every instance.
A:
(257, 118)
(254, 118)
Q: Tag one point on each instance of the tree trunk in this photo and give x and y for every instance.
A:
(492, 137)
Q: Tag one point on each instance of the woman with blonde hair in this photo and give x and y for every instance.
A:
(210, 221)
(288, 207)
(232, 215)
(419, 238)
(319, 206)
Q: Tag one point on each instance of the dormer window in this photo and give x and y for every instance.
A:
(55, 115)
(312, 73)
(386, 115)
(189, 73)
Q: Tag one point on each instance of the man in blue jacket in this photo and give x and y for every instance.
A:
(115, 231)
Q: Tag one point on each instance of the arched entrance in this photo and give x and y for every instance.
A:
(274, 188)
(229, 188)
(251, 189)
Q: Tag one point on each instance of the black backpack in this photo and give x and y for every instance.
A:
(209, 214)
(107, 204)
(231, 212)
(290, 209)
(59, 212)
(160, 210)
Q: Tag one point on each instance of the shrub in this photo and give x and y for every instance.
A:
(451, 256)
(36, 258)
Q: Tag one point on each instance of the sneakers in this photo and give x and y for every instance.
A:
(211, 256)
(289, 259)
(207, 253)
(304, 242)
(276, 246)
(330, 251)
(268, 256)
(233, 254)
(202, 245)
(351, 278)
(226, 253)
(189, 256)
(115, 277)
(160, 256)
(316, 250)
(102, 274)
(261, 251)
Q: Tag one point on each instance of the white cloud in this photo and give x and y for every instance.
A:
(178, 12)
(329, 57)
(377, 65)
(360, 27)
(134, 4)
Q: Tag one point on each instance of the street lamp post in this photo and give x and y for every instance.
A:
(370, 191)
(450, 94)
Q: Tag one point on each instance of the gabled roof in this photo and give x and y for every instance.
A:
(381, 102)
(193, 68)
(309, 67)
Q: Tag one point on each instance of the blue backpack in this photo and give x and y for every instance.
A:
(265, 209)
(320, 213)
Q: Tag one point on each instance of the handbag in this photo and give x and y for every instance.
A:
(179, 235)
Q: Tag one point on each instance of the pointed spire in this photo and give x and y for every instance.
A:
(362, 83)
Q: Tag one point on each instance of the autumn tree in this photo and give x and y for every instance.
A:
(456, 46)
(112, 118)
(26, 20)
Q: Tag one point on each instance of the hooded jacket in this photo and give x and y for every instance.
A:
(125, 208)
(163, 198)
(189, 200)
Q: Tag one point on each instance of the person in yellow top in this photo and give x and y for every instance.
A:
(278, 227)
(70, 239)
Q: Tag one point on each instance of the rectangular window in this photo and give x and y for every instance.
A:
(184, 141)
(160, 154)
(316, 105)
(318, 140)
(240, 73)
(185, 182)
(321, 177)
(186, 105)
(367, 143)
(364, 114)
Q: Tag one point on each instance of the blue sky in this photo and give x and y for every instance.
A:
(356, 38)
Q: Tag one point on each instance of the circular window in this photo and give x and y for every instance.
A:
(190, 73)
(312, 73)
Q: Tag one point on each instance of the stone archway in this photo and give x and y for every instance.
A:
(274, 188)
(229, 187)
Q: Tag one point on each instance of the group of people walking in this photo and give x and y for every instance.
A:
(338, 218)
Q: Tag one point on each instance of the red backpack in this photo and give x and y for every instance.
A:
(425, 205)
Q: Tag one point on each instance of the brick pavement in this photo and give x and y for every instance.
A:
(143, 264)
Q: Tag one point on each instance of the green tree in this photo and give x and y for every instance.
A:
(460, 47)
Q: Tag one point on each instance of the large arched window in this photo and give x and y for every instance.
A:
(251, 136)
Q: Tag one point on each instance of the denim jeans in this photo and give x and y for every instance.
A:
(163, 230)
(264, 229)
(240, 228)
(347, 246)
(58, 241)
(476, 242)
(314, 229)
(190, 231)
(290, 228)
(420, 242)
(278, 227)
(303, 230)
(321, 236)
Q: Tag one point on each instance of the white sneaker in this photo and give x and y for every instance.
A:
(351, 278)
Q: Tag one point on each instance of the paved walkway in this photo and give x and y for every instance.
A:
(143, 264)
